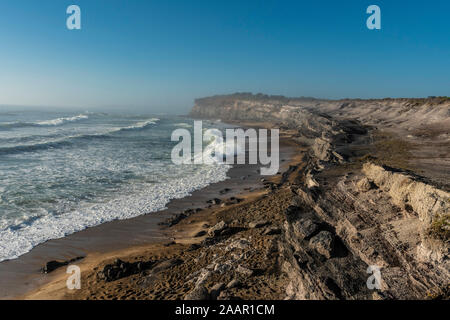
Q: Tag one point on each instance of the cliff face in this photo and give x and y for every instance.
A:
(420, 126)
(351, 212)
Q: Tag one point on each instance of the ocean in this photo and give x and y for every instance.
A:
(63, 172)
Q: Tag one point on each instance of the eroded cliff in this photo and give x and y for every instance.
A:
(373, 193)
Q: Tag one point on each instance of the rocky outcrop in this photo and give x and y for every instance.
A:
(348, 222)
(53, 265)
(427, 201)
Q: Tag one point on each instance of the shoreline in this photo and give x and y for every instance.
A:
(23, 279)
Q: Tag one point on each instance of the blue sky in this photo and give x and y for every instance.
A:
(160, 55)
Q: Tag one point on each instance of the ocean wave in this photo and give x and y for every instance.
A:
(60, 121)
(46, 145)
(139, 125)
(16, 240)
(43, 123)
(69, 140)
(217, 149)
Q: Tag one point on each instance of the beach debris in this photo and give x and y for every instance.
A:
(323, 243)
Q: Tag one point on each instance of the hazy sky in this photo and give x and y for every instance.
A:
(163, 54)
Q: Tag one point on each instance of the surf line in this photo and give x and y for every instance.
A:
(227, 151)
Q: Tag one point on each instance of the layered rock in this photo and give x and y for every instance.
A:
(346, 221)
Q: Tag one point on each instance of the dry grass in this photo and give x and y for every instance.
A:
(440, 228)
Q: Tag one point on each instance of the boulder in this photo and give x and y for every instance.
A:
(258, 224)
(217, 229)
(216, 290)
(221, 268)
(233, 284)
(238, 244)
(271, 231)
(198, 293)
(323, 243)
(52, 265)
(245, 271)
(364, 185)
(304, 228)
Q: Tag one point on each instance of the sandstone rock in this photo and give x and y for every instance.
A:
(216, 290)
(167, 264)
(271, 231)
(204, 275)
(323, 243)
(233, 284)
(221, 268)
(245, 271)
(224, 295)
(198, 293)
(364, 185)
(217, 229)
(257, 224)
(304, 228)
(238, 244)
(428, 201)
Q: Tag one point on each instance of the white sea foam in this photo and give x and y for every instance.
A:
(17, 241)
(138, 125)
(217, 149)
(59, 121)
(85, 176)
(183, 125)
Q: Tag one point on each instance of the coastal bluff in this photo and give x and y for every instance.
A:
(373, 192)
